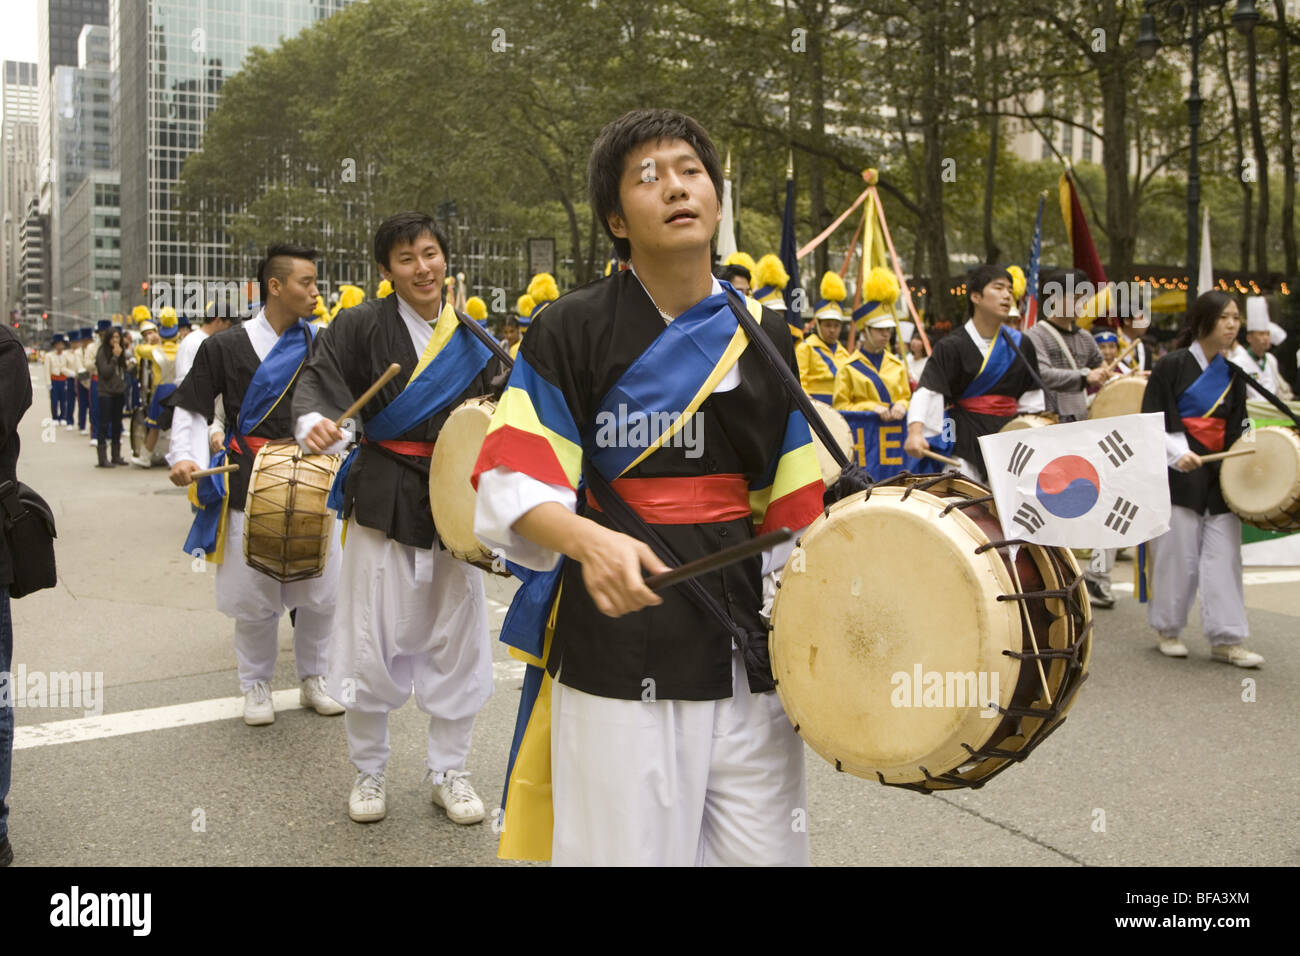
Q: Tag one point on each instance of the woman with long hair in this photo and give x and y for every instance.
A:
(112, 362)
(1204, 405)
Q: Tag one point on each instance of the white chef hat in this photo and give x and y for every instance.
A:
(1257, 319)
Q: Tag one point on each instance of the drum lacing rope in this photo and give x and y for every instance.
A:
(981, 500)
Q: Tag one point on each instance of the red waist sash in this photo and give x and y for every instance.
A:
(699, 499)
(1208, 431)
(414, 449)
(1003, 405)
(58, 378)
(254, 445)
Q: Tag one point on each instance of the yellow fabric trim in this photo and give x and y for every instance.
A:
(795, 469)
(1219, 401)
(516, 409)
(528, 823)
(442, 332)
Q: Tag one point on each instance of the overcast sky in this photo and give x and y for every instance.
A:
(18, 38)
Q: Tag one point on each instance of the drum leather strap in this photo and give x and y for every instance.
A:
(753, 647)
(404, 453)
(852, 478)
(1276, 402)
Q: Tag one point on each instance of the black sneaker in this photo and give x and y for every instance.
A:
(1098, 598)
(6, 851)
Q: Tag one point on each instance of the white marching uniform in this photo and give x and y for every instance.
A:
(255, 600)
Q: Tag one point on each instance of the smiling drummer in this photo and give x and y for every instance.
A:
(409, 614)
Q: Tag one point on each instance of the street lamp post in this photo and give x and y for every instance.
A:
(1244, 19)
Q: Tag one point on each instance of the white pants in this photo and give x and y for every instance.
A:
(257, 601)
(1205, 549)
(677, 782)
(408, 619)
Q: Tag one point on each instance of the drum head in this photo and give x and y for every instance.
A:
(1122, 396)
(883, 675)
(843, 436)
(1266, 484)
(451, 496)
(1027, 421)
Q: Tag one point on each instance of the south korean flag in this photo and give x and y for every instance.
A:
(1092, 484)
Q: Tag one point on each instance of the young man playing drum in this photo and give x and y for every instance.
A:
(664, 742)
(980, 372)
(409, 614)
(252, 368)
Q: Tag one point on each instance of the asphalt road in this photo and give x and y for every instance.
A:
(1161, 761)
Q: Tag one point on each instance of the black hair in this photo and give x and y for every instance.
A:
(978, 279)
(1201, 317)
(727, 273)
(275, 264)
(608, 158)
(405, 227)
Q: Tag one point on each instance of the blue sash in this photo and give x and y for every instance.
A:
(874, 378)
(652, 400)
(428, 392)
(997, 362)
(1205, 394)
(269, 385)
(825, 358)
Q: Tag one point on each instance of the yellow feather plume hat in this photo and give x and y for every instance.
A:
(768, 279)
(833, 294)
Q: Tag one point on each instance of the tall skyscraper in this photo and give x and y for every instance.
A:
(82, 144)
(170, 59)
(19, 168)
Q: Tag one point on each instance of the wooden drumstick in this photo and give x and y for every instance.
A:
(370, 393)
(943, 458)
(219, 470)
(1122, 355)
(1231, 453)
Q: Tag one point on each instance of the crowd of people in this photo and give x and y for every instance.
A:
(649, 727)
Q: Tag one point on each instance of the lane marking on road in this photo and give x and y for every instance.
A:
(81, 729)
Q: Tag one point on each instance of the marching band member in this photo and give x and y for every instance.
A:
(254, 369)
(92, 350)
(162, 355)
(770, 279)
(1254, 356)
(409, 614)
(1204, 406)
(874, 379)
(525, 306)
(61, 368)
(981, 370)
(821, 356)
(82, 380)
(660, 741)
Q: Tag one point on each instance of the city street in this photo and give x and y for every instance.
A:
(1177, 762)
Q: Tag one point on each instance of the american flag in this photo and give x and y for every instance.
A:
(1031, 281)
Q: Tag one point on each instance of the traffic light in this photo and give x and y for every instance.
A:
(144, 287)
(45, 315)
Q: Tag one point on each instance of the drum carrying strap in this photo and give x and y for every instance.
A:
(852, 478)
(1276, 402)
(753, 647)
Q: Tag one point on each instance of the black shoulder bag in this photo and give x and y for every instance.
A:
(29, 535)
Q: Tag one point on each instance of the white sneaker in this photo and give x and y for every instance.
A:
(258, 708)
(83, 431)
(367, 803)
(141, 462)
(1172, 647)
(313, 695)
(71, 428)
(1235, 654)
(457, 797)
